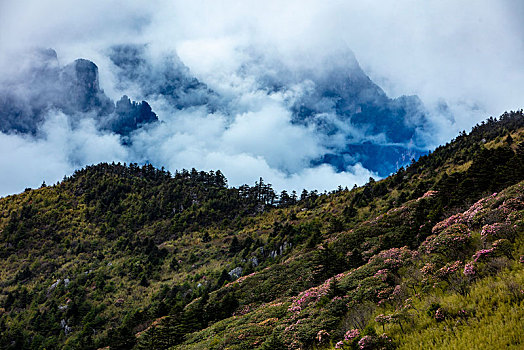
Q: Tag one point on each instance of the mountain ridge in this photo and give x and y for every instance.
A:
(353, 119)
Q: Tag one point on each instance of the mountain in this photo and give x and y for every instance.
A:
(352, 117)
(73, 90)
(130, 256)
(166, 78)
(359, 121)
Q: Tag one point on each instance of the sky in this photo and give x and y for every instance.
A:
(468, 54)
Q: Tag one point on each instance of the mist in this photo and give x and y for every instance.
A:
(462, 59)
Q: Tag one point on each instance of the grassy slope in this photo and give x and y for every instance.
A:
(492, 300)
(497, 323)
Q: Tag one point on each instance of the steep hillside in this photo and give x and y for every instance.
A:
(131, 256)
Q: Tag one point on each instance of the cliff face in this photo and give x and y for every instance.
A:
(73, 90)
(81, 89)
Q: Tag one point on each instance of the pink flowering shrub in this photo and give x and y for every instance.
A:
(482, 255)
(395, 257)
(353, 339)
(470, 270)
(513, 204)
(448, 269)
(311, 295)
(456, 228)
(444, 224)
(471, 216)
(382, 274)
(366, 342)
(375, 342)
(490, 210)
(351, 334)
(496, 231)
(393, 275)
(499, 209)
(427, 269)
(397, 291)
(449, 245)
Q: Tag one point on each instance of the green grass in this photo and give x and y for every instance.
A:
(497, 320)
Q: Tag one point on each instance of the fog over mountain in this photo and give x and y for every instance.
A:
(306, 95)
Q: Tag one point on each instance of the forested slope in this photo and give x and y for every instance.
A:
(131, 256)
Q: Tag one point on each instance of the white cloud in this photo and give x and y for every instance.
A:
(27, 162)
(244, 147)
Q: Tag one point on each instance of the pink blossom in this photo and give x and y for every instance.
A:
(351, 334)
(469, 269)
(427, 269)
(322, 335)
(448, 269)
(366, 342)
(382, 274)
(441, 226)
(394, 257)
(311, 295)
(482, 254)
(493, 231)
(397, 290)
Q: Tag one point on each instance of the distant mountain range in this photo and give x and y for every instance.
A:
(356, 120)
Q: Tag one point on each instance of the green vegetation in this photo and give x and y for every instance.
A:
(130, 256)
(489, 316)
